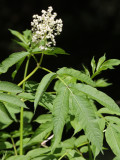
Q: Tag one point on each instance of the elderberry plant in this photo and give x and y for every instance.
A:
(73, 126)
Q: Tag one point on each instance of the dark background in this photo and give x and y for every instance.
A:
(90, 28)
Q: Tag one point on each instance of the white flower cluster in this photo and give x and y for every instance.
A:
(45, 28)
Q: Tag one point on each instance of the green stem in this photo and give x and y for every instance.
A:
(82, 144)
(26, 69)
(27, 77)
(36, 68)
(95, 74)
(78, 151)
(63, 156)
(35, 58)
(21, 131)
(41, 59)
(45, 69)
(60, 80)
(22, 110)
(90, 153)
(15, 150)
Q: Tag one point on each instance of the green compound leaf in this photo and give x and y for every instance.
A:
(11, 60)
(18, 65)
(77, 158)
(93, 65)
(87, 116)
(117, 158)
(38, 152)
(47, 101)
(60, 112)
(46, 157)
(107, 111)
(75, 123)
(109, 64)
(95, 151)
(19, 158)
(97, 95)
(26, 96)
(113, 119)
(21, 44)
(102, 83)
(69, 143)
(100, 62)
(4, 135)
(7, 98)
(19, 36)
(31, 86)
(76, 74)
(5, 145)
(41, 132)
(49, 51)
(81, 141)
(84, 149)
(104, 65)
(54, 51)
(9, 87)
(12, 109)
(4, 115)
(72, 154)
(43, 85)
(44, 118)
(113, 138)
(86, 71)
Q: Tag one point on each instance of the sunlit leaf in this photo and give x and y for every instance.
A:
(41, 132)
(107, 111)
(21, 44)
(27, 33)
(86, 71)
(55, 50)
(44, 118)
(7, 98)
(60, 112)
(100, 62)
(5, 145)
(43, 85)
(76, 74)
(11, 60)
(47, 101)
(109, 64)
(19, 36)
(27, 115)
(81, 141)
(84, 149)
(46, 157)
(97, 95)
(117, 158)
(86, 114)
(19, 157)
(74, 155)
(9, 87)
(113, 119)
(69, 143)
(38, 152)
(113, 138)
(4, 135)
(31, 86)
(93, 65)
(95, 151)
(17, 67)
(4, 115)
(102, 83)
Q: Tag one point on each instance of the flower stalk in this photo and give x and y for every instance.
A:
(22, 110)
